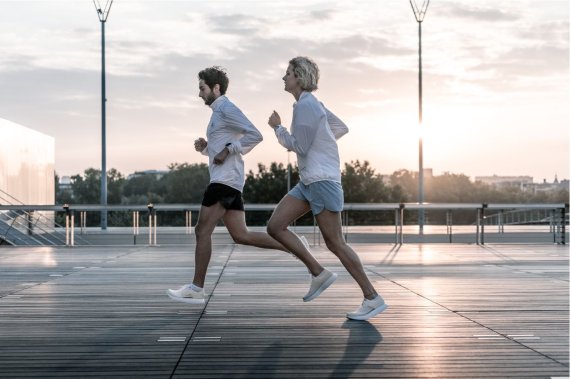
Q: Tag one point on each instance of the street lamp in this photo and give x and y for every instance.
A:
(103, 13)
(420, 13)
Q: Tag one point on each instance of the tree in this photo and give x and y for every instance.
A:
(361, 184)
(143, 189)
(86, 189)
(185, 183)
(115, 183)
(268, 186)
(407, 183)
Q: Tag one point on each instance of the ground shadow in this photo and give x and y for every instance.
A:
(362, 340)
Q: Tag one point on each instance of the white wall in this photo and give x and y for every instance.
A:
(27, 160)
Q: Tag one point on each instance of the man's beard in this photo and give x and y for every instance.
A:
(209, 99)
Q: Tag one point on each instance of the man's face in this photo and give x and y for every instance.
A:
(290, 79)
(206, 93)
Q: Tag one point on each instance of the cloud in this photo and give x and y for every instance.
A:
(368, 58)
(480, 13)
(322, 14)
(240, 25)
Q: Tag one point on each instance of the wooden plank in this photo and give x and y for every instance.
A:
(455, 310)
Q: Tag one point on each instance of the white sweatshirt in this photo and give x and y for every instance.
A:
(314, 131)
(228, 124)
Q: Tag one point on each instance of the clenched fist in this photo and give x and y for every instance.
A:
(200, 144)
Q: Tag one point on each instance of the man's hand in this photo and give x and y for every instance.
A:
(200, 144)
(274, 120)
(221, 156)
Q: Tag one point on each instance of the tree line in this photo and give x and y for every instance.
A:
(185, 183)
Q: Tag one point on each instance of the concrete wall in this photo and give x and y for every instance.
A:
(27, 160)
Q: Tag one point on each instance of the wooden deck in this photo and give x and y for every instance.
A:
(455, 311)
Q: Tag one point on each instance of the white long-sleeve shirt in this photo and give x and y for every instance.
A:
(314, 131)
(228, 124)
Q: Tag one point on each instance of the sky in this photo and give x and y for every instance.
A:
(495, 79)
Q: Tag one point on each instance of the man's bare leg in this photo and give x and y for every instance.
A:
(207, 221)
(235, 222)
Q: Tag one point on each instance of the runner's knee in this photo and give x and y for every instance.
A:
(240, 238)
(335, 245)
(201, 232)
(273, 229)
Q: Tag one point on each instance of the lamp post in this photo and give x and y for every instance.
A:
(419, 13)
(103, 13)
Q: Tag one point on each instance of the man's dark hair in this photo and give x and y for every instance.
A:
(215, 75)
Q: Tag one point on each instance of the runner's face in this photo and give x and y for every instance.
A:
(206, 93)
(291, 82)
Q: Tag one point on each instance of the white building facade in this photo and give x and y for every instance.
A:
(27, 165)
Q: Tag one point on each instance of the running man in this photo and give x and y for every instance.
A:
(229, 136)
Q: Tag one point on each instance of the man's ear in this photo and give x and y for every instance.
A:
(216, 89)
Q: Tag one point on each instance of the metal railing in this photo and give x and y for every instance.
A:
(485, 215)
(28, 225)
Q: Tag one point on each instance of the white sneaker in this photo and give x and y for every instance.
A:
(369, 308)
(186, 294)
(319, 284)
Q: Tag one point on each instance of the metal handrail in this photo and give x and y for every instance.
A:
(40, 225)
(397, 208)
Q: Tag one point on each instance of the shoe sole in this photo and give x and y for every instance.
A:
(321, 289)
(370, 314)
(187, 300)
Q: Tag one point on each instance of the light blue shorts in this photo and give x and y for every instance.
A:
(324, 194)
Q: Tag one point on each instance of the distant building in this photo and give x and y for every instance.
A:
(65, 183)
(556, 185)
(157, 173)
(524, 183)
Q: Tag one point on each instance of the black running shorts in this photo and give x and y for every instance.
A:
(229, 197)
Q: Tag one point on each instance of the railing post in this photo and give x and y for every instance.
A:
(500, 224)
(135, 226)
(482, 219)
(29, 221)
(83, 221)
(563, 212)
(155, 224)
(344, 220)
(188, 222)
(401, 210)
(449, 222)
(478, 226)
(66, 208)
(150, 221)
(72, 227)
(316, 233)
(396, 224)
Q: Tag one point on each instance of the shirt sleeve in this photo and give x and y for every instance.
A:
(235, 120)
(304, 131)
(338, 128)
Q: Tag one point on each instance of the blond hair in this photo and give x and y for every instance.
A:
(306, 71)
